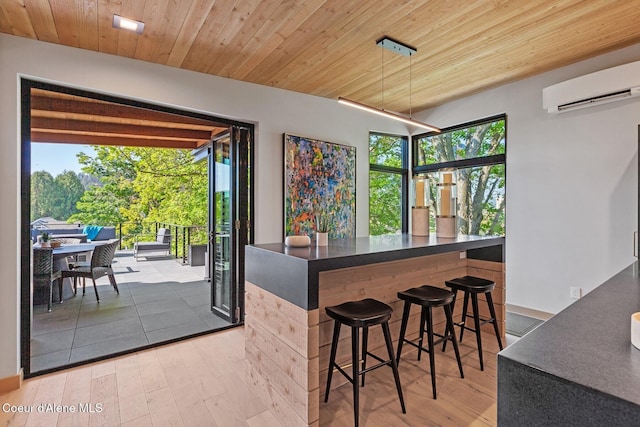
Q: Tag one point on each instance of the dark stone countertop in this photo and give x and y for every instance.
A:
(292, 273)
(342, 253)
(587, 345)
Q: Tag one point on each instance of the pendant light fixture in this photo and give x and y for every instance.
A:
(404, 50)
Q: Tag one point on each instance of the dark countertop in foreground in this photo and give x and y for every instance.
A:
(292, 273)
(578, 368)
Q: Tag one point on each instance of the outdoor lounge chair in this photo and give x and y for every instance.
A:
(161, 244)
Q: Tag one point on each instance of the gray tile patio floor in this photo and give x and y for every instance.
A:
(159, 300)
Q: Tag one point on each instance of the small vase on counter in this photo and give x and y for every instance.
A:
(323, 224)
(322, 238)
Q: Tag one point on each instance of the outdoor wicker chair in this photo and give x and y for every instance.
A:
(100, 265)
(71, 260)
(43, 274)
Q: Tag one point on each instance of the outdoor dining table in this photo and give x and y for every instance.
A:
(64, 251)
(60, 262)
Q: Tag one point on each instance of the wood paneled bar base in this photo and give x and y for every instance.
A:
(287, 332)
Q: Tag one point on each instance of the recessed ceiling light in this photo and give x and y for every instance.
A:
(127, 24)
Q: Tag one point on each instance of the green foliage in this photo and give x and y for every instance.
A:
(323, 223)
(385, 188)
(100, 206)
(385, 203)
(481, 197)
(70, 190)
(143, 185)
(385, 150)
(43, 190)
(482, 140)
(54, 197)
(170, 187)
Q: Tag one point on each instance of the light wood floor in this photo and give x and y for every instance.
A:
(200, 382)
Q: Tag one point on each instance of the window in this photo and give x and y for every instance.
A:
(477, 151)
(388, 172)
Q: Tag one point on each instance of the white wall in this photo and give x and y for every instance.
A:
(275, 112)
(572, 180)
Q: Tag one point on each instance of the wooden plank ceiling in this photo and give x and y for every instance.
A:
(327, 47)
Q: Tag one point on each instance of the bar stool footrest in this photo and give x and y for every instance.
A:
(364, 371)
(440, 340)
(469, 328)
(342, 371)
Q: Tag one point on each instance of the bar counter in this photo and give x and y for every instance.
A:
(578, 368)
(288, 334)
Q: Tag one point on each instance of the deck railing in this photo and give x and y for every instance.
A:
(182, 236)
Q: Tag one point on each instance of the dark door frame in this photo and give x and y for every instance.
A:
(26, 85)
(240, 227)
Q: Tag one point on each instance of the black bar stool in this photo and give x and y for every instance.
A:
(428, 297)
(473, 286)
(361, 314)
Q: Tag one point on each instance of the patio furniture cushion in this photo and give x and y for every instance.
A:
(105, 233)
(162, 243)
(91, 231)
(98, 232)
(163, 236)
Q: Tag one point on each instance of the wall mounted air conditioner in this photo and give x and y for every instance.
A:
(597, 88)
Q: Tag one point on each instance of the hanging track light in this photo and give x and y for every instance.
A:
(387, 114)
(404, 50)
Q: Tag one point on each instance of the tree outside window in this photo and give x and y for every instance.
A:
(387, 184)
(478, 152)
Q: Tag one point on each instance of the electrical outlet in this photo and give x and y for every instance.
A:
(463, 254)
(575, 292)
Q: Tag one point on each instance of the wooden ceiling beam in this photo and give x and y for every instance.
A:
(213, 128)
(111, 110)
(112, 140)
(90, 134)
(133, 130)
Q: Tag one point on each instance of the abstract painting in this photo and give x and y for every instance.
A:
(319, 187)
